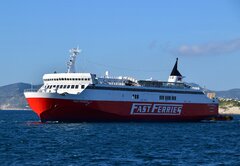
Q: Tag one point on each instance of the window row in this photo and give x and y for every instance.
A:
(64, 86)
(167, 98)
(136, 96)
(67, 79)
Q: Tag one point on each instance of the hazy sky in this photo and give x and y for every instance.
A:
(139, 38)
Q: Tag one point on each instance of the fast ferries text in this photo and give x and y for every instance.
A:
(156, 109)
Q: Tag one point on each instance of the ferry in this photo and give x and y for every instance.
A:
(84, 97)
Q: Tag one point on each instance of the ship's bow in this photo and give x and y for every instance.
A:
(37, 101)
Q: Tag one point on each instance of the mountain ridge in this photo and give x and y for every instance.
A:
(232, 93)
(12, 97)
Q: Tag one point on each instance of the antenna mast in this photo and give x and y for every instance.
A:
(71, 64)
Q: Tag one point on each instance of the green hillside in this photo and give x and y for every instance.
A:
(12, 97)
(223, 103)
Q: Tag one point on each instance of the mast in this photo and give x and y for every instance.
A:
(71, 64)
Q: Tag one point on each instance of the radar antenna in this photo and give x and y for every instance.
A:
(71, 64)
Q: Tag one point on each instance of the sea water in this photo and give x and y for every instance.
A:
(26, 141)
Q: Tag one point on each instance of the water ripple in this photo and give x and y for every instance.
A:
(26, 141)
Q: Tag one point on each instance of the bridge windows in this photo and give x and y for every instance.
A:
(67, 79)
(64, 86)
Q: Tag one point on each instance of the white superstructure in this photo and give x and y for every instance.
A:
(75, 83)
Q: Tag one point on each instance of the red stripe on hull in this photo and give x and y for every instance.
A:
(79, 111)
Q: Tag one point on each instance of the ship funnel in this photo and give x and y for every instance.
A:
(71, 64)
(175, 75)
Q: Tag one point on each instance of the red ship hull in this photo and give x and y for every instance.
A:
(96, 111)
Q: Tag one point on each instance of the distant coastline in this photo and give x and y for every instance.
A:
(230, 111)
(229, 106)
(15, 109)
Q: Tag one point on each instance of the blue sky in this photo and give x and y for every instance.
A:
(139, 38)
